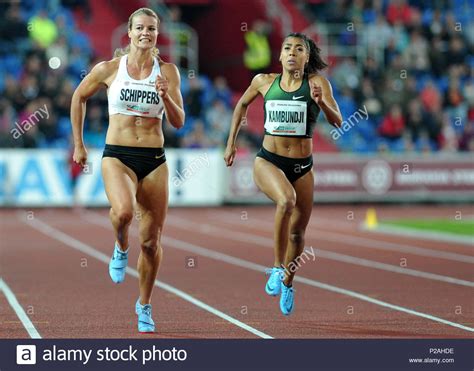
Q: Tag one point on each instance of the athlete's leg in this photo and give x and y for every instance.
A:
(273, 182)
(152, 199)
(304, 188)
(120, 186)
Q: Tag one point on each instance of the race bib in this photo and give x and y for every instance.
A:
(285, 117)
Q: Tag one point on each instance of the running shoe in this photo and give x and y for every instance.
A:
(273, 285)
(118, 264)
(145, 322)
(287, 299)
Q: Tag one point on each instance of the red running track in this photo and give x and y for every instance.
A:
(359, 285)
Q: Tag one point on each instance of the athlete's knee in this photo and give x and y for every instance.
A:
(123, 215)
(286, 203)
(297, 237)
(150, 245)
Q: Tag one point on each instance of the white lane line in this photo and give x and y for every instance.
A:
(97, 219)
(60, 236)
(420, 235)
(368, 243)
(25, 320)
(178, 222)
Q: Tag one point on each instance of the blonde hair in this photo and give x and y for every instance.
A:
(146, 11)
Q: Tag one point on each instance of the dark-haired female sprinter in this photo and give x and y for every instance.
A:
(140, 88)
(283, 167)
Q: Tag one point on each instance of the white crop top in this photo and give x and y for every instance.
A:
(135, 97)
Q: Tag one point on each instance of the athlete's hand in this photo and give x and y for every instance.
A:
(316, 92)
(229, 155)
(161, 85)
(80, 155)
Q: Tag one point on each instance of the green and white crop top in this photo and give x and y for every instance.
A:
(290, 114)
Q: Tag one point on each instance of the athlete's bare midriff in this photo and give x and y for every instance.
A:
(134, 131)
(285, 146)
(288, 147)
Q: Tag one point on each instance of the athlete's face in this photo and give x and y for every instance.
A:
(294, 54)
(144, 31)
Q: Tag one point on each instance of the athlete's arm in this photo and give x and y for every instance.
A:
(88, 87)
(168, 88)
(240, 113)
(321, 92)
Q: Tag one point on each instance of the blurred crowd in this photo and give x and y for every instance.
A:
(416, 79)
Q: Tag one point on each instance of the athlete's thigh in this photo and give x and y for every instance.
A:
(304, 188)
(152, 200)
(120, 184)
(272, 181)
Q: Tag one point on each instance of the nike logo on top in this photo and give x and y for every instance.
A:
(305, 166)
(295, 98)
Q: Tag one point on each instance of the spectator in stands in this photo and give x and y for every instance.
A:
(193, 100)
(82, 5)
(346, 74)
(431, 97)
(468, 92)
(218, 118)
(43, 30)
(258, 55)
(34, 64)
(378, 34)
(63, 100)
(451, 29)
(13, 30)
(180, 35)
(197, 138)
(29, 87)
(432, 124)
(415, 119)
(409, 92)
(393, 124)
(437, 56)
(368, 98)
(416, 54)
(372, 70)
(399, 36)
(13, 94)
(392, 93)
(399, 10)
(50, 86)
(48, 124)
(453, 102)
(222, 91)
(457, 51)
(448, 140)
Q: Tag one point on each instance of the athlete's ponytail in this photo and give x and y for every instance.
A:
(315, 63)
(149, 12)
